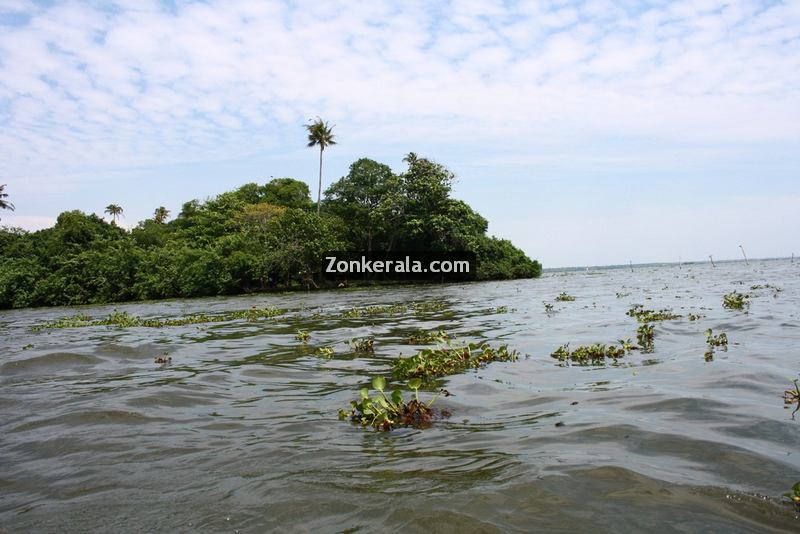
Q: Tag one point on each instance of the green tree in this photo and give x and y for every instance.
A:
(287, 192)
(160, 215)
(115, 211)
(320, 134)
(5, 204)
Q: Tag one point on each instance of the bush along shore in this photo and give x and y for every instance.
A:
(258, 237)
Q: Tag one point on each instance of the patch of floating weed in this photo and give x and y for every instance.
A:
(589, 353)
(564, 297)
(384, 412)
(164, 359)
(501, 309)
(325, 352)
(622, 295)
(736, 301)
(694, 317)
(766, 286)
(302, 336)
(792, 396)
(369, 311)
(645, 335)
(549, 308)
(644, 315)
(448, 360)
(125, 320)
(429, 307)
(424, 338)
(794, 495)
(28, 346)
(366, 345)
(720, 340)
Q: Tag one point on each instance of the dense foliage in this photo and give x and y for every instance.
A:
(250, 239)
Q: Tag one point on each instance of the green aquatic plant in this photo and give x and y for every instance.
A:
(645, 335)
(501, 309)
(164, 359)
(794, 494)
(588, 353)
(720, 340)
(694, 317)
(424, 338)
(647, 316)
(448, 360)
(369, 311)
(564, 297)
(384, 412)
(302, 336)
(736, 301)
(325, 352)
(622, 295)
(792, 396)
(429, 306)
(549, 308)
(125, 320)
(366, 345)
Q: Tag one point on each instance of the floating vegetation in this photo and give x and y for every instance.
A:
(448, 360)
(792, 396)
(28, 346)
(394, 309)
(424, 338)
(302, 336)
(794, 495)
(125, 320)
(736, 301)
(644, 315)
(501, 309)
(622, 295)
(366, 345)
(766, 286)
(645, 335)
(589, 353)
(384, 412)
(549, 308)
(720, 340)
(163, 359)
(325, 352)
(694, 317)
(564, 297)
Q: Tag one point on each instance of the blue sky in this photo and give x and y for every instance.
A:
(591, 132)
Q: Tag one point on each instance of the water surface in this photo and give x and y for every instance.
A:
(240, 431)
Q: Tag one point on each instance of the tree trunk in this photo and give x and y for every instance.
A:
(319, 190)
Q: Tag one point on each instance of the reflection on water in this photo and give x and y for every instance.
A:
(240, 431)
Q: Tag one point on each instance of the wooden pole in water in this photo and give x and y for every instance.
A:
(631, 264)
(792, 257)
(745, 255)
(710, 257)
(680, 263)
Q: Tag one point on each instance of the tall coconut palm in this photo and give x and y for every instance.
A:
(161, 214)
(5, 204)
(115, 211)
(319, 134)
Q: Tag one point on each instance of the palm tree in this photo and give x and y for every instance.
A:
(115, 211)
(161, 214)
(319, 133)
(5, 204)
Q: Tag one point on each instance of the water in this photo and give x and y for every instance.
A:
(240, 432)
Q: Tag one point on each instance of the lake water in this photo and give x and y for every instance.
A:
(240, 431)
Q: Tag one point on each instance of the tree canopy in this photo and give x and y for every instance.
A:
(251, 239)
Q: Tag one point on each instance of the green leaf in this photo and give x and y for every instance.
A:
(415, 383)
(379, 383)
(364, 393)
(796, 489)
(397, 397)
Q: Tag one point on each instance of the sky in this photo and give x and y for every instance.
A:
(589, 133)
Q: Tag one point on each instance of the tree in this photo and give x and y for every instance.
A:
(160, 215)
(5, 204)
(320, 134)
(287, 192)
(115, 211)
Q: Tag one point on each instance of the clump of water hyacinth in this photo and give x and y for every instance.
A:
(385, 412)
(719, 340)
(589, 353)
(645, 335)
(564, 297)
(302, 336)
(366, 345)
(125, 320)
(448, 360)
(424, 338)
(549, 308)
(736, 301)
(325, 352)
(647, 316)
(794, 495)
(792, 396)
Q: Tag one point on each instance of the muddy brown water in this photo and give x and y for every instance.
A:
(240, 431)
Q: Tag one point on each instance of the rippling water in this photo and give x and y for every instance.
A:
(240, 431)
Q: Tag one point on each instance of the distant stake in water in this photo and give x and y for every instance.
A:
(710, 257)
(745, 255)
(631, 264)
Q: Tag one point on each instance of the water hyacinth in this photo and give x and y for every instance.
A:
(125, 320)
(736, 301)
(647, 316)
(448, 360)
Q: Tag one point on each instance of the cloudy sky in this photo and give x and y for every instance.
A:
(588, 132)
